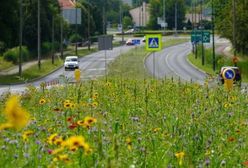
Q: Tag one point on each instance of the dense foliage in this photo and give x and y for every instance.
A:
(224, 22)
(156, 10)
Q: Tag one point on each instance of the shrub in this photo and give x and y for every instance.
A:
(46, 48)
(12, 54)
(2, 46)
(75, 38)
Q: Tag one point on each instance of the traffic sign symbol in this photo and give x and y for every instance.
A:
(153, 42)
(229, 74)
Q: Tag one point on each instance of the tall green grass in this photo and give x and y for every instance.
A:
(140, 123)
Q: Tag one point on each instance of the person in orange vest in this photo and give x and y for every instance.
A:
(235, 60)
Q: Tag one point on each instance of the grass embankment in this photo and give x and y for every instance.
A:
(221, 60)
(131, 64)
(4, 64)
(135, 123)
(46, 67)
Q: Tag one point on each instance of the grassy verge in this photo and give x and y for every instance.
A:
(131, 64)
(221, 60)
(32, 72)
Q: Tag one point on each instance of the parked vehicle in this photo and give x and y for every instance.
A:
(237, 78)
(129, 42)
(71, 62)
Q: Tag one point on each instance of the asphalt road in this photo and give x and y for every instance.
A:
(91, 66)
(172, 62)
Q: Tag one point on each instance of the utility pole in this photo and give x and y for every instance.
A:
(76, 46)
(89, 43)
(20, 38)
(213, 39)
(164, 14)
(53, 38)
(202, 44)
(39, 64)
(234, 27)
(103, 19)
(195, 29)
(176, 18)
(61, 34)
(192, 25)
(121, 23)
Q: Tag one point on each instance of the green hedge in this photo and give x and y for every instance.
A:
(12, 54)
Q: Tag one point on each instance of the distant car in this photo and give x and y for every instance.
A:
(71, 62)
(237, 79)
(129, 42)
(144, 39)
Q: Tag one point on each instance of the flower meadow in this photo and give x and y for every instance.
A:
(124, 123)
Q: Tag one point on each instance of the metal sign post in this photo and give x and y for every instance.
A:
(105, 43)
(228, 75)
(154, 43)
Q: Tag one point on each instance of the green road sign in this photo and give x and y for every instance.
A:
(206, 37)
(198, 36)
(153, 42)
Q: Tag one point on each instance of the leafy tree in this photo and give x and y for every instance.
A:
(127, 21)
(224, 22)
(8, 23)
(156, 10)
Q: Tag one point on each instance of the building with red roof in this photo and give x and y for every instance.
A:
(67, 4)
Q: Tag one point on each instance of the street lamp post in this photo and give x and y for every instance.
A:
(61, 33)
(164, 14)
(20, 39)
(89, 43)
(234, 27)
(202, 44)
(76, 46)
(214, 62)
(121, 23)
(39, 57)
(176, 18)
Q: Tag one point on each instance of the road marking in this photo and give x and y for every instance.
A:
(96, 69)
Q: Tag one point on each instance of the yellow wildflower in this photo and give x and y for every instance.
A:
(156, 130)
(180, 156)
(95, 96)
(51, 139)
(94, 104)
(5, 126)
(16, 116)
(75, 141)
(42, 101)
(129, 143)
(90, 120)
(56, 151)
(64, 158)
(26, 134)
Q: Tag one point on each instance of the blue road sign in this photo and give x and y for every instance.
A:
(136, 41)
(229, 74)
(153, 42)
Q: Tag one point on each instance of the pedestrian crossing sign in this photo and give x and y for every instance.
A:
(153, 42)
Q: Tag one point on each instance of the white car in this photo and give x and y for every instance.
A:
(71, 62)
